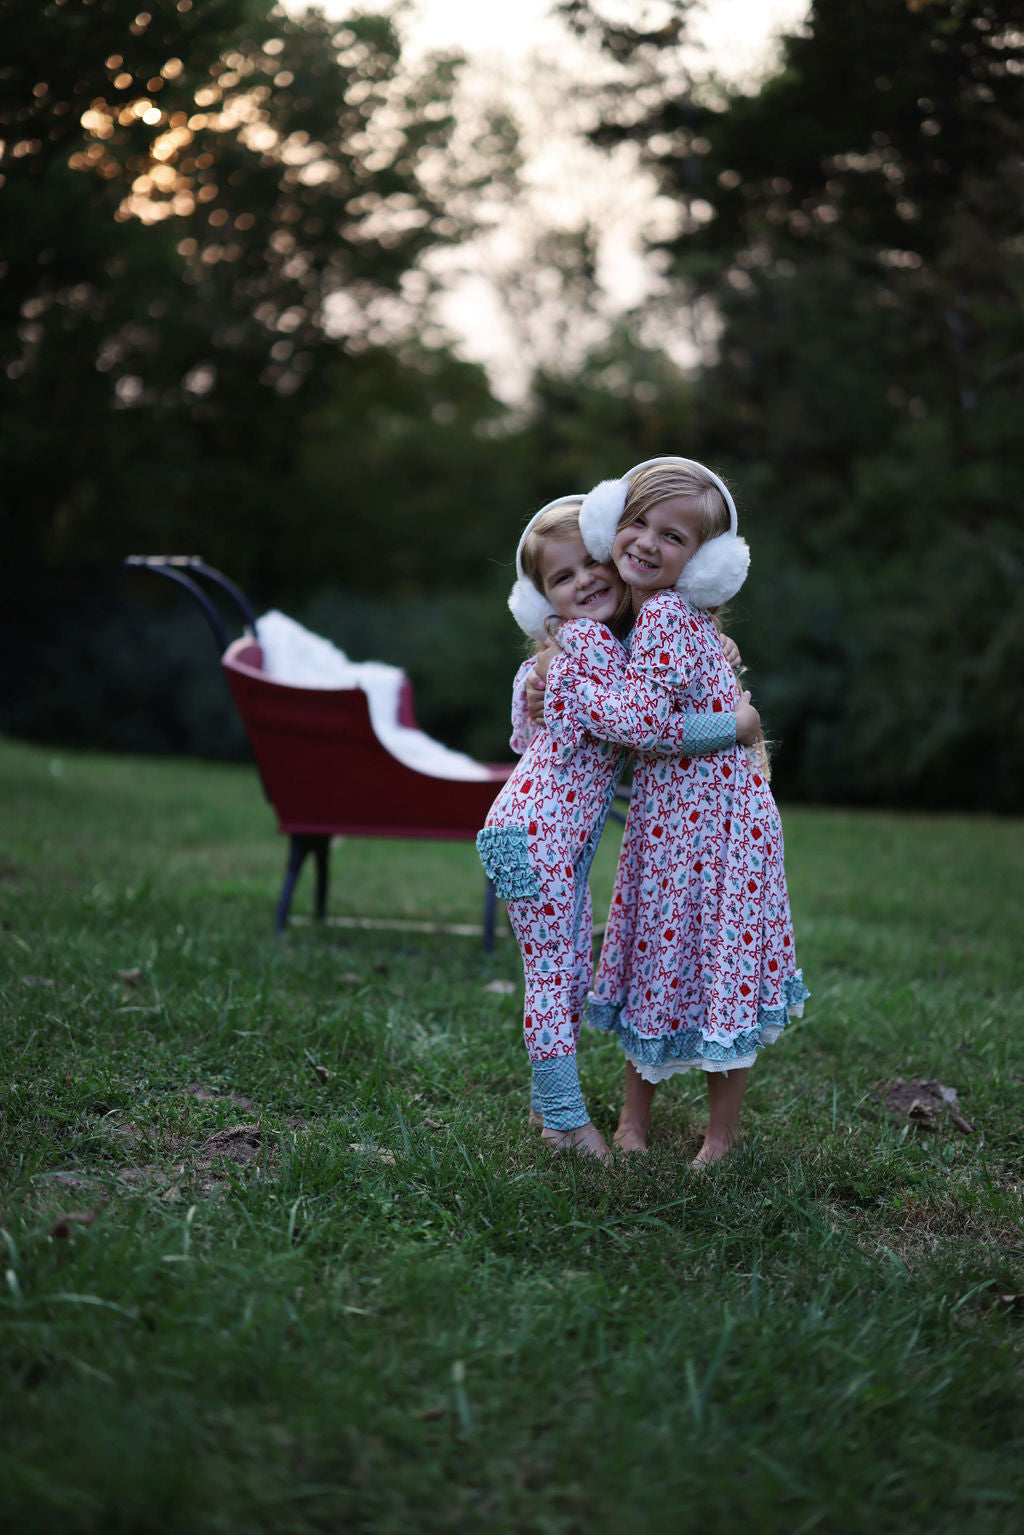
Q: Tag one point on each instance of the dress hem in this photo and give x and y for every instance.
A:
(687, 1049)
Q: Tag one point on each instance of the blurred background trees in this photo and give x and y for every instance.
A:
(216, 336)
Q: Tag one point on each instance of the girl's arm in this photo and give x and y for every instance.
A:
(523, 727)
(631, 702)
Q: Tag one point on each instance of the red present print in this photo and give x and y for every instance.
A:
(698, 867)
(657, 831)
(717, 706)
(664, 659)
(748, 937)
(756, 833)
(752, 886)
(744, 990)
(670, 933)
(548, 909)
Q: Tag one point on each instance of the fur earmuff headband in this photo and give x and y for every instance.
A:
(714, 574)
(527, 604)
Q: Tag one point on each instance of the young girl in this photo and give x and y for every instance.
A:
(698, 967)
(544, 826)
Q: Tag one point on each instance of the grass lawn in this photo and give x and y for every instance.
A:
(282, 1254)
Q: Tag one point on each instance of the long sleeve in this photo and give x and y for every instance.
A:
(523, 727)
(631, 701)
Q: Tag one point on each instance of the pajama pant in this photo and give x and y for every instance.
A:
(554, 931)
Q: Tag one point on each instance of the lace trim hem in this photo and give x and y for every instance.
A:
(689, 1048)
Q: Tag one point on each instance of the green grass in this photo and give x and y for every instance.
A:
(400, 1314)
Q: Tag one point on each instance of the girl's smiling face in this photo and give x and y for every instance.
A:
(575, 584)
(651, 553)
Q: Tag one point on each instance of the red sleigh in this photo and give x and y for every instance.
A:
(324, 770)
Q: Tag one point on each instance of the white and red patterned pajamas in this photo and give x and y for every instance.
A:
(540, 836)
(698, 966)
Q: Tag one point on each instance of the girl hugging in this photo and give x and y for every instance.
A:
(698, 965)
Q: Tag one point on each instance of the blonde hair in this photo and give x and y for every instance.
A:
(562, 522)
(660, 482)
(559, 522)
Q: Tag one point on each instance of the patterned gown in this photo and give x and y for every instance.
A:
(698, 966)
(541, 833)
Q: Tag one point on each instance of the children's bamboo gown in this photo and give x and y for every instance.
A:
(698, 966)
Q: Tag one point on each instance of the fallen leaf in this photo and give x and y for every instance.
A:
(319, 1071)
(427, 1413)
(351, 979)
(920, 1113)
(501, 988)
(381, 968)
(962, 1124)
(62, 1225)
(132, 977)
(37, 980)
(372, 1151)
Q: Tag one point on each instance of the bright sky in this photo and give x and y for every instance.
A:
(520, 57)
(736, 33)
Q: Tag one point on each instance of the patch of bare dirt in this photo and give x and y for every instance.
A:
(238, 1144)
(206, 1095)
(927, 1104)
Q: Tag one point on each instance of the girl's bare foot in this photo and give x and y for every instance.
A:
(630, 1136)
(712, 1151)
(635, 1119)
(587, 1139)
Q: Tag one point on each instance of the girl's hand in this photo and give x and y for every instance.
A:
(535, 697)
(731, 651)
(536, 682)
(748, 722)
(543, 661)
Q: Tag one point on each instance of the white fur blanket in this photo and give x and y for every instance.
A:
(293, 655)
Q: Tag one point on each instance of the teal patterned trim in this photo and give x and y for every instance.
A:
(704, 734)
(689, 1045)
(556, 1094)
(503, 853)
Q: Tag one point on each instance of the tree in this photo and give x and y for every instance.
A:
(855, 224)
(204, 204)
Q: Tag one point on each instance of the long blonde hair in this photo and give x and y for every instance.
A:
(659, 482)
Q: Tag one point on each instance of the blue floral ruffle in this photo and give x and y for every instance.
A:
(503, 853)
(689, 1047)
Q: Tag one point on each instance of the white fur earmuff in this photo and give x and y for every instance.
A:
(526, 602)
(714, 574)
